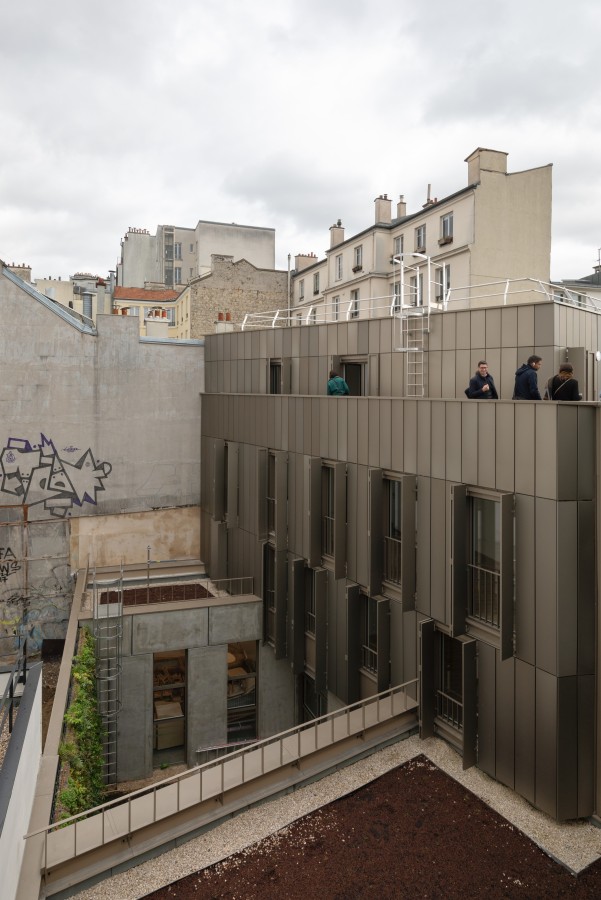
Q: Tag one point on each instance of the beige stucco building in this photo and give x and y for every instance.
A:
(495, 228)
(176, 255)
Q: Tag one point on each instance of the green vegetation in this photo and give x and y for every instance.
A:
(82, 748)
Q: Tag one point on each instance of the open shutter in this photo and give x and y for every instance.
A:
(506, 598)
(375, 536)
(281, 500)
(312, 517)
(340, 520)
(296, 615)
(468, 686)
(286, 375)
(261, 496)
(231, 512)
(458, 560)
(427, 675)
(217, 483)
(353, 643)
(218, 550)
(281, 603)
(383, 627)
(408, 501)
(320, 587)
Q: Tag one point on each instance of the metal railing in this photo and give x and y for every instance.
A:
(485, 588)
(327, 536)
(392, 560)
(369, 658)
(17, 675)
(501, 292)
(116, 820)
(450, 710)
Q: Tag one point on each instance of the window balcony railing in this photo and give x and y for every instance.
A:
(369, 658)
(327, 536)
(392, 560)
(485, 588)
(309, 622)
(450, 710)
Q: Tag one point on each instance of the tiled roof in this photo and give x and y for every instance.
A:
(133, 293)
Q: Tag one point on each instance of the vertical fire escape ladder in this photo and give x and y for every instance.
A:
(108, 633)
(414, 341)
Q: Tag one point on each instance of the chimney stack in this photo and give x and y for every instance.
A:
(336, 234)
(401, 207)
(383, 210)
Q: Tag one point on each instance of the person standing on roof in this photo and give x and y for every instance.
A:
(526, 381)
(337, 385)
(481, 386)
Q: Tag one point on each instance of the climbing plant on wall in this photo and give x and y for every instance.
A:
(81, 750)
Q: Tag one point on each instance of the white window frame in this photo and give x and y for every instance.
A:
(358, 258)
(420, 238)
(398, 245)
(446, 228)
(338, 267)
(301, 289)
(355, 305)
(316, 283)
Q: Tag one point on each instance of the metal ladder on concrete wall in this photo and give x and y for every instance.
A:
(108, 634)
(414, 341)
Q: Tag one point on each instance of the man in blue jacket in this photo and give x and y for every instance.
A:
(337, 385)
(482, 386)
(526, 381)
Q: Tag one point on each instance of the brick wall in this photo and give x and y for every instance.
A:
(234, 287)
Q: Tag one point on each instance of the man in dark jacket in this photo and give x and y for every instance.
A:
(481, 386)
(526, 381)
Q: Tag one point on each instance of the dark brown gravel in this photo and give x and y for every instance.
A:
(414, 832)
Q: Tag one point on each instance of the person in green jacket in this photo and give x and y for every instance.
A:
(337, 385)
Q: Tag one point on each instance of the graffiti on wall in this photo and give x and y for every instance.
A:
(9, 564)
(38, 473)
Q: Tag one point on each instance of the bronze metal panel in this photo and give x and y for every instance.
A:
(340, 519)
(478, 328)
(307, 446)
(586, 746)
(524, 729)
(320, 587)
(373, 431)
(331, 410)
(386, 375)
(545, 739)
(353, 427)
(504, 446)
(363, 430)
(315, 403)
(505, 719)
(232, 484)
(567, 588)
(351, 535)
(408, 504)
(375, 534)
(470, 703)
(486, 444)
(449, 341)
(296, 615)
(493, 328)
(507, 581)
(397, 637)
(424, 544)
(410, 436)
(546, 584)
(509, 326)
(312, 511)
(453, 441)
(487, 668)
(526, 327)
(525, 448)
(385, 458)
(281, 499)
(544, 325)
(435, 373)
(458, 558)
(326, 409)
(567, 748)
(427, 670)
(261, 489)
(217, 486)
(281, 602)
(353, 644)
(397, 439)
(423, 437)
(383, 628)
(548, 437)
(464, 369)
(586, 587)
(463, 330)
(586, 453)
(218, 550)
(438, 439)
(362, 524)
(438, 549)
(449, 373)
(373, 376)
(469, 442)
(341, 414)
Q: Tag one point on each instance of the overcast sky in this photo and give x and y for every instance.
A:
(288, 115)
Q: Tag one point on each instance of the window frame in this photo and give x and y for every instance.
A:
(316, 283)
(446, 229)
(301, 290)
(355, 304)
(338, 268)
(358, 258)
(420, 238)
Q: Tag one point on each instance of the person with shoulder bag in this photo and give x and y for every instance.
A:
(563, 386)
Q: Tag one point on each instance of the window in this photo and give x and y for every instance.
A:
(369, 633)
(335, 308)
(398, 245)
(416, 290)
(354, 308)
(316, 283)
(392, 531)
(301, 289)
(420, 238)
(169, 699)
(449, 693)
(191, 248)
(338, 267)
(177, 275)
(446, 229)
(327, 510)
(443, 282)
(314, 703)
(354, 375)
(241, 691)
(358, 257)
(484, 560)
(191, 272)
(177, 251)
(396, 295)
(275, 377)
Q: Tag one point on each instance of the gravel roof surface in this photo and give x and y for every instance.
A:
(576, 845)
